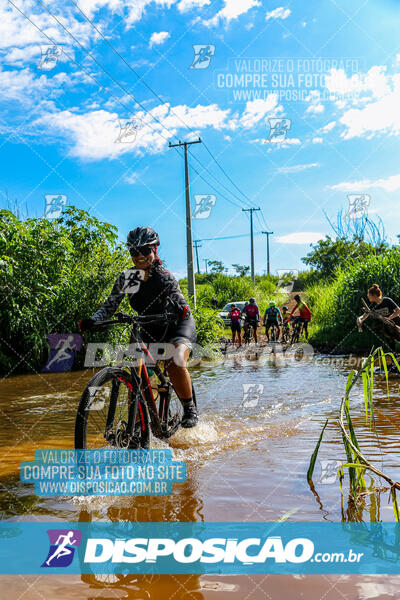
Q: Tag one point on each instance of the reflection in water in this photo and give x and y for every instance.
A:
(184, 506)
(245, 461)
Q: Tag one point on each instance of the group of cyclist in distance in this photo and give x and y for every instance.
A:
(157, 291)
(273, 320)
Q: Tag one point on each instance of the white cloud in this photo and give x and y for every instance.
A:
(301, 237)
(92, 135)
(317, 140)
(186, 5)
(329, 127)
(257, 109)
(231, 11)
(17, 32)
(314, 104)
(159, 38)
(297, 168)
(390, 184)
(278, 13)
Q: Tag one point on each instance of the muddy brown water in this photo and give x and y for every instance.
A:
(244, 463)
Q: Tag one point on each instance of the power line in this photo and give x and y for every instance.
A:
(104, 69)
(162, 101)
(140, 78)
(100, 85)
(216, 179)
(226, 175)
(214, 188)
(228, 237)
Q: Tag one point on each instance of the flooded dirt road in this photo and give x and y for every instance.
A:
(246, 461)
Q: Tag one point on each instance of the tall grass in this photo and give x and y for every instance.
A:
(357, 463)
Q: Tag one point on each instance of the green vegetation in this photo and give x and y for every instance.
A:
(52, 273)
(356, 461)
(226, 288)
(343, 270)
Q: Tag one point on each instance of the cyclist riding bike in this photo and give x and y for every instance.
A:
(272, 318)
(304, 316)
(251, 317)
(152, 289)
(285, 322)
(236, 328)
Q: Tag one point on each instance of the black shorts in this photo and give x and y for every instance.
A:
(182, 333)
(253, 323)
(235, 326)
(269, 324)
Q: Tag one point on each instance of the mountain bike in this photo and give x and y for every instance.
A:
(118, 407)
(285, 333)
(298, 327)
(248, 329)
(274, 333)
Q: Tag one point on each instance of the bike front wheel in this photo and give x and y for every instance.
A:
(103, 417)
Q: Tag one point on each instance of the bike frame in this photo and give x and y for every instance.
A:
(140, 374)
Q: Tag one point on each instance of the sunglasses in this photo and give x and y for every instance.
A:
(141, 251)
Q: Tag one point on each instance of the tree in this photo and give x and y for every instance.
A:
(241, 270)
(217, 266)
(328, 254)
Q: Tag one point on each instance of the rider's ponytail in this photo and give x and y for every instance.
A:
(375, 290)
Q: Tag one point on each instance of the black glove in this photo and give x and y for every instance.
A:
(86, 324)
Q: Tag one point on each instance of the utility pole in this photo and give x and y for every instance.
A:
(268, 233)
(251, 210)
(196, 246)
(189, 238)
(206, 262)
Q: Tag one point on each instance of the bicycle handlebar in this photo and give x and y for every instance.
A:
(137, 319)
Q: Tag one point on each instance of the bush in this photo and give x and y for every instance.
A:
(52, 273)
(208, 326)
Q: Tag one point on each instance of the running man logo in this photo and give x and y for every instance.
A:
(98, 397)
(54, 205)
(128, 129)
(62, 351)
(358, 205)
(329, 471)
(202, 55)
(278, 129)
(251, 394)
(50, 55)
(62, 547)
(204, 205)
(286, 279)
(132, 279)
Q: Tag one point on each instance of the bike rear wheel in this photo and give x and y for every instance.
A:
(103, 413)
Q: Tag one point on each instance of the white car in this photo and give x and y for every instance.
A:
(224, 313)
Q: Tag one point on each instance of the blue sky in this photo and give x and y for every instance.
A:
(329, 71)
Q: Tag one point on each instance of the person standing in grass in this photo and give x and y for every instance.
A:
(234, 315)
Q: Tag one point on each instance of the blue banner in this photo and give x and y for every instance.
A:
(197, 548)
